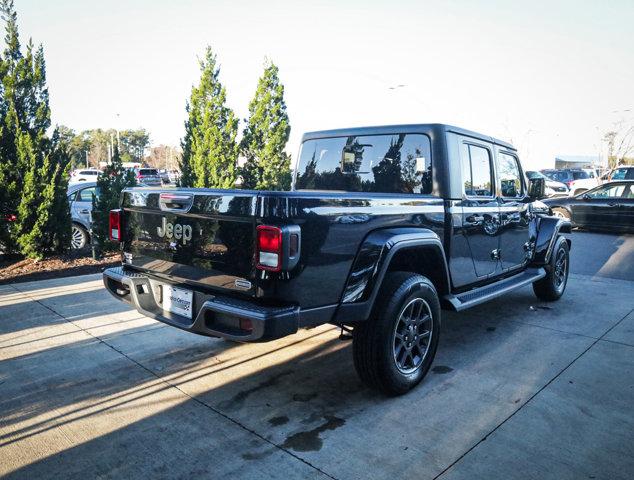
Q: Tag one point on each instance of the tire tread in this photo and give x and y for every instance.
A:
(367, 341)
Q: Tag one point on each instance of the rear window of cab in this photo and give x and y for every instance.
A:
(392, 163)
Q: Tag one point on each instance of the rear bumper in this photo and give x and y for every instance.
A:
(214, 315)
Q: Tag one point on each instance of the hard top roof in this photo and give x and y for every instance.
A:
(73, 187)
(405, 128)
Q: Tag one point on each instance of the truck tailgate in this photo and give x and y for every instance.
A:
(196, 236)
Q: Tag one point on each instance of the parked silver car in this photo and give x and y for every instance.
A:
(148, 176)
(80, 200)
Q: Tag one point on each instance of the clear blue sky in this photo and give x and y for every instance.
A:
(549, 75)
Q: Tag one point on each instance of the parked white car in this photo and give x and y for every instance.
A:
(84, 175)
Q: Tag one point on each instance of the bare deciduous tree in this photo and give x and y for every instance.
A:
(620, 142)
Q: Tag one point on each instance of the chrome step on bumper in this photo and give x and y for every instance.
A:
(214, 315)
(483, 294)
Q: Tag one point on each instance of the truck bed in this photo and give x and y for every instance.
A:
(219, 255)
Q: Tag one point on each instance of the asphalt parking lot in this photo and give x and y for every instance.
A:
(519, 389)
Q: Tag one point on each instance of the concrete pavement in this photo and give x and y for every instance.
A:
(519, 389)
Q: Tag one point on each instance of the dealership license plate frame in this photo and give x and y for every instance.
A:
(179, 301)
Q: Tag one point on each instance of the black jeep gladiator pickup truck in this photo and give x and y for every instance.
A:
(382, 228)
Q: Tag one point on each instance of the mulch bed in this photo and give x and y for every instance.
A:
(16, 270)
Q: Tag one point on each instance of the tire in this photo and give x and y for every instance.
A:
(561, 213)
(389, 353)
(553, 285)
(78, 237)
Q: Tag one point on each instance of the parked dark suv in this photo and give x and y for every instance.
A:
(383, 226)
(577, 180)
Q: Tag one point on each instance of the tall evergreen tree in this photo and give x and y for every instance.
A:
(43, 222)
(110, 184)
(210, 151)
(11, 80)
(32, 169)
(265, 136)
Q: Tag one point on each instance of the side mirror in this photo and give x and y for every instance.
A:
(585, 196)
(536, 188)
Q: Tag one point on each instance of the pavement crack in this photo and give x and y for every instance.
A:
(473, 447)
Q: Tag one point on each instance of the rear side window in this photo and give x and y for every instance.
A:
(398, 163)
(580, 175)
(509, 173)
(476, 171)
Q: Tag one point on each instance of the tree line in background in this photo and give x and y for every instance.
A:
(210, 146)
(89, 148)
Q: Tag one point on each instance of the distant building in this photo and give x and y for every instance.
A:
(578, 161)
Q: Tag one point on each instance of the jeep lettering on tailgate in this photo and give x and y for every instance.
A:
(177, 231)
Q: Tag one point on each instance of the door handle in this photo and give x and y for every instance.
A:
(85, 210)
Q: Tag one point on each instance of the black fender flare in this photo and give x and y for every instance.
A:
(372, 262)
(548, 229)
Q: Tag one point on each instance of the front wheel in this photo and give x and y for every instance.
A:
(79, 237)
(561, 213)
(394, 349)
(552, 286)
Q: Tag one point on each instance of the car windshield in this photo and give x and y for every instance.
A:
(531, 175)
(148, 171)
(558, 176)
(606, 191)
(619, 174)
(580, 175)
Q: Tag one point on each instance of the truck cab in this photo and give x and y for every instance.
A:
(383, 227)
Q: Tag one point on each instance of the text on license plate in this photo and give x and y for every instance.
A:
(178, 300)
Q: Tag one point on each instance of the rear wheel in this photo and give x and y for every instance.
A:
(552, 286)
(394, 349)
(79, 237)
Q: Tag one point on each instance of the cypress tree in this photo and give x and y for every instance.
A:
(265, 136)
(10, 105)
(110, 184)
(209, 147)
(32, 166)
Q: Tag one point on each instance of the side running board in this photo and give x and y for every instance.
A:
(462, 301)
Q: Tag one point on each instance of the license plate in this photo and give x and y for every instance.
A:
(178, 300)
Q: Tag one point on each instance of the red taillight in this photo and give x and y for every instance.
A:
(115, 225)
(569, 183)
(269, 248)
(10, 218)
